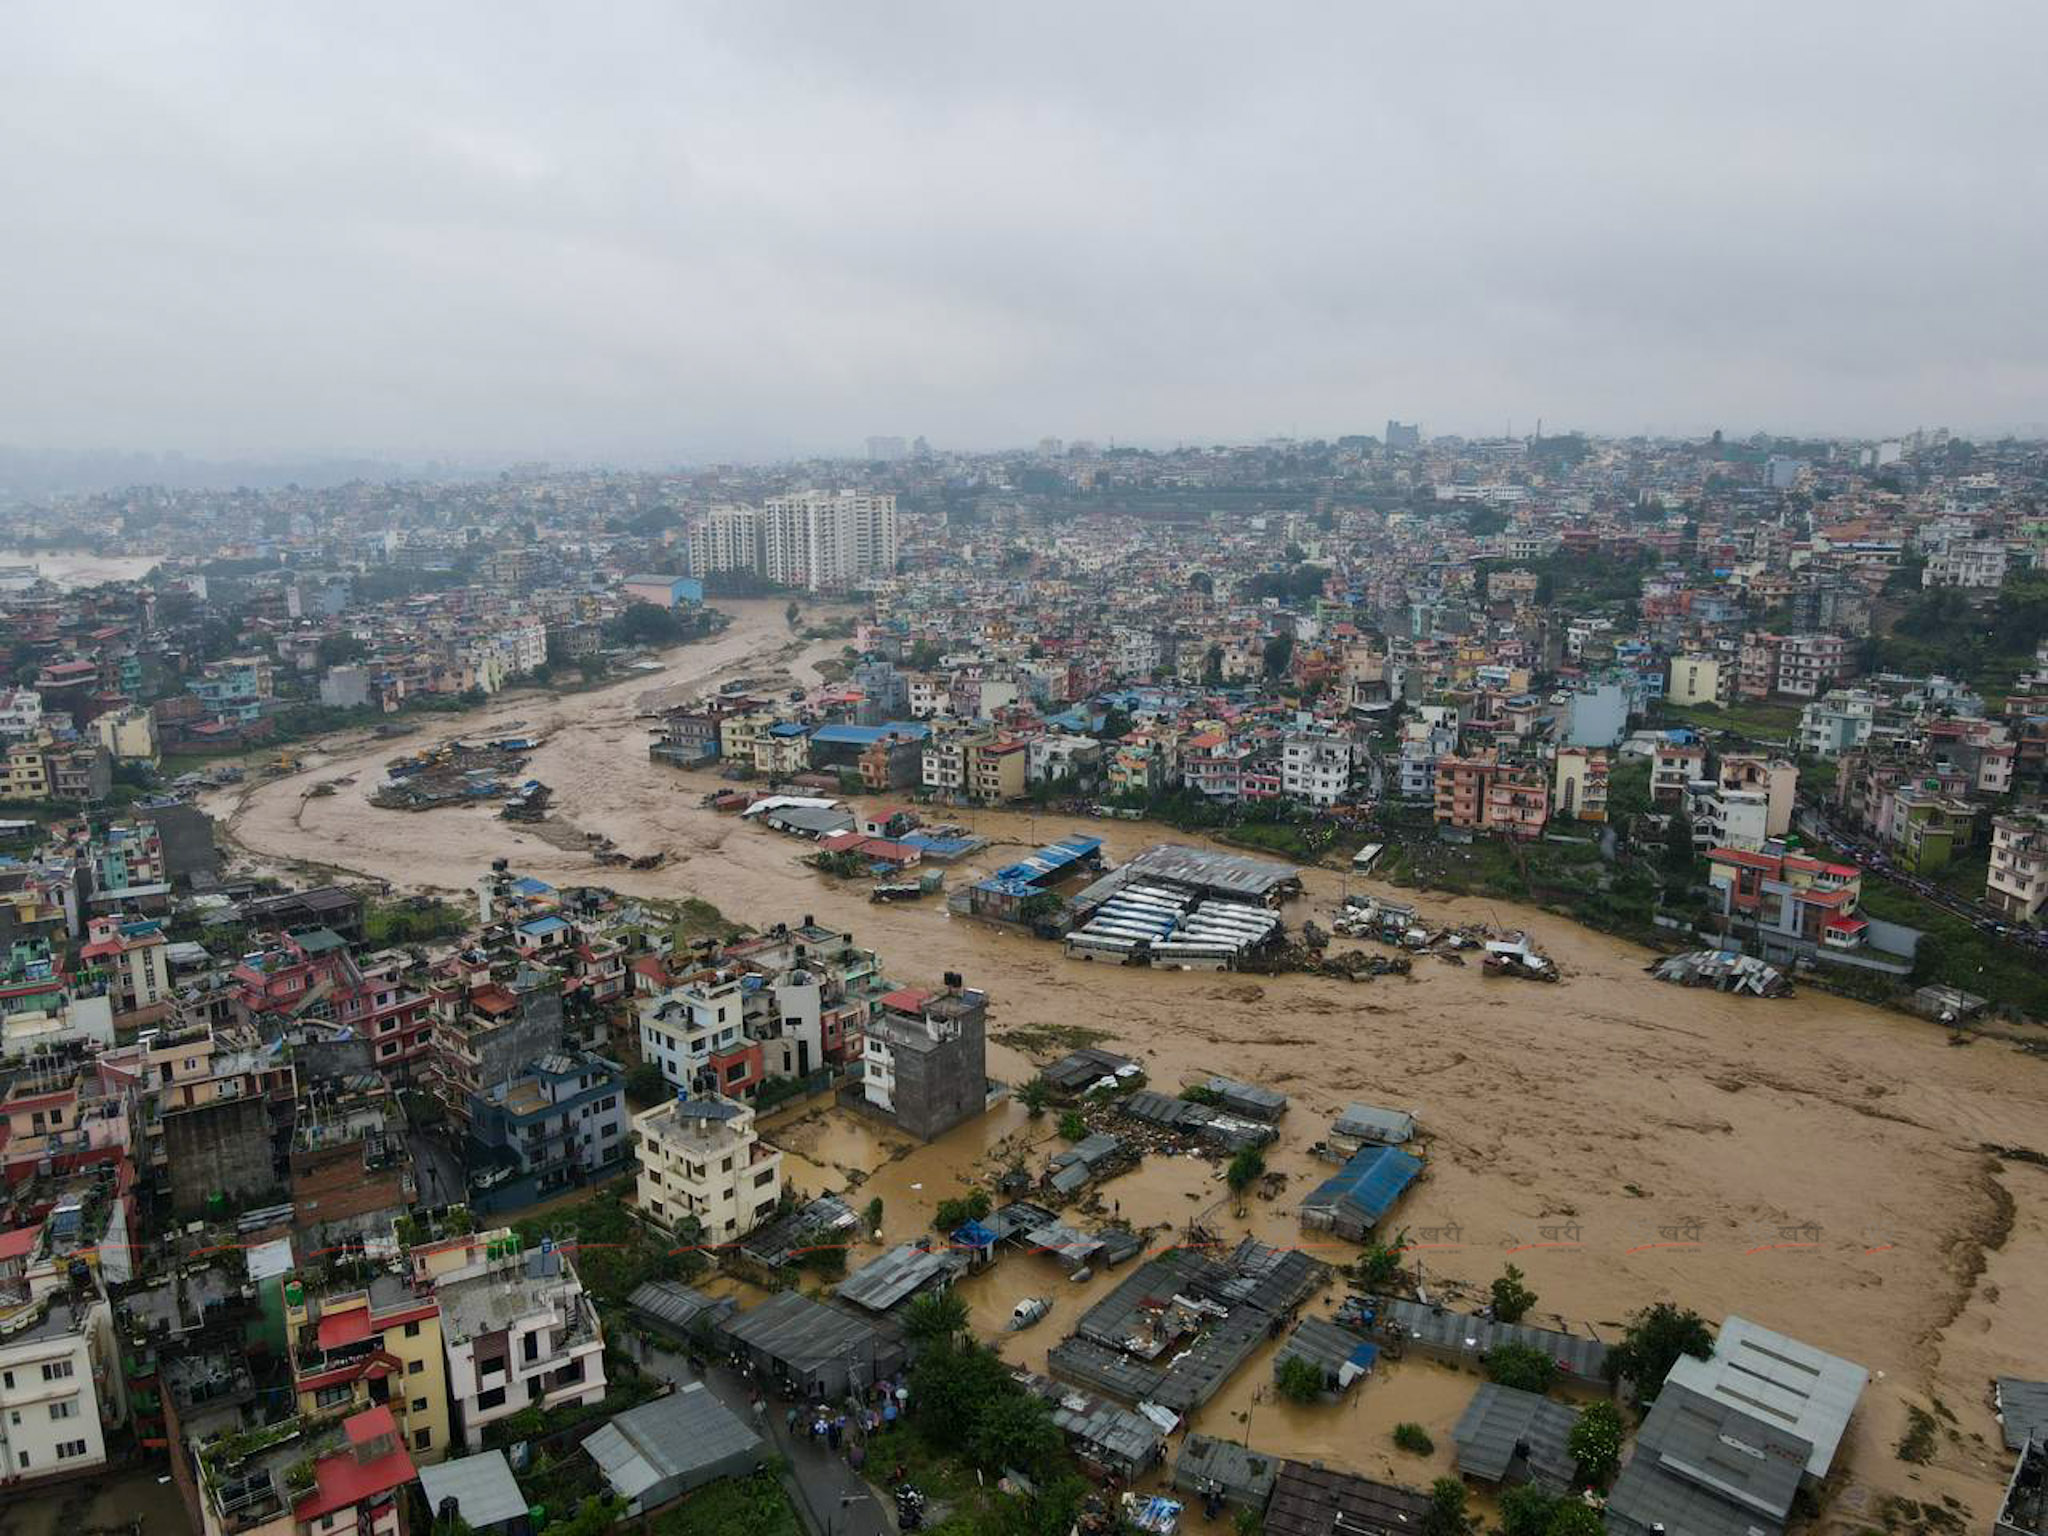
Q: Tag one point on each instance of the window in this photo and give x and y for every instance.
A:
(495, 1398)
(529, 1348)
(412, 1329)
(328, 1397)
(57, 1370)
(67, 1409)
(414, 1367)
(419, 1405)
(763, 1177)
(70, 1449)
(611, 1128)
(422, 1438)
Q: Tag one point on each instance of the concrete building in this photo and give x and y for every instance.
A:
(381, 1343)
(701, 1160)
(1696, 680)
(1836, 722)
(1579, 791)
(926, 1058)
(1975, 563)
(129, 734)
(728, 539)
(828, 541)
(55, 1349)
(1316, 768)
(1775, 778)
(2017, 881)
(519, 1333)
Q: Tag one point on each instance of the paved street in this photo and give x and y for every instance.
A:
(831, 1497)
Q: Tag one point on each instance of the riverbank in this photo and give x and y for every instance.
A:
(1611, 1100)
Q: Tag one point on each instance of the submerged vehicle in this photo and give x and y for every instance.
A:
(1029, 1311)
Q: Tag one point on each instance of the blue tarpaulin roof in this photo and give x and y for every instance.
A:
(1051, 859)
(868, 735)
(1370, 1182)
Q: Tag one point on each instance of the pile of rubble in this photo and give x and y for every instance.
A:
(1724, 971)
(1351, 965)
(456, 773)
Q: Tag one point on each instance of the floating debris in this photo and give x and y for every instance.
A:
(1724, 971)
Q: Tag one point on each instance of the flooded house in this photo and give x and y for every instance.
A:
(1353, 1201)
(1508, 1436)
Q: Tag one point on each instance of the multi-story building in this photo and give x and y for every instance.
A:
(1315, 769)
(129, 734)
(1839, 720)
(520, 1333)
(727, 539)
(1580, 787)
(558, 1123)
(1776, 779)
(1727, 818)
(342, 1475)
(354, 1348)
(131, 955)
(1793, 904)
(828, 541)
(1979, 563)
(56, 1360)
(696, 1033)
(1810, 664)
(1696, 679)
(1674, 766)
(2017, 881)
(701, 1161)
(21, 713)
(926, 1058)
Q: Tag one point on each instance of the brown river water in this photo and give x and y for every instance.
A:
(1610, 1101)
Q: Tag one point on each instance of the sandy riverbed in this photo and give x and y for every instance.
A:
(1610, 1100)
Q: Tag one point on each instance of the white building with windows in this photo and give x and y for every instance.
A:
(827, 541)
(728, 539)
(701, 1161)
(681, 1028)
(55, 1352)
(520, 1333)
(1315, 769)
(21, 714)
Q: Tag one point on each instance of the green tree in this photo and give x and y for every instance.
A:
(1595, 1443)
(936, 1317)
(1656, 1337)
(1245, 1170)
(1447, 1515)
(1575, 1517)
(1299, 1380)
(952, 1383)
(1034, 1096)
(1279, 653)
(1072, 1126)
(1525, 1510)
(1511, 1298)
(1414, 1439)
(874, 1214)
(338, 650)
(1203, 583)
(645, 1084)
(1380, 1265)
(1523, 1366)
(1016, 1430)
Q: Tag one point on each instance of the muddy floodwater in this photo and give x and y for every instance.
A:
(1838, 1165)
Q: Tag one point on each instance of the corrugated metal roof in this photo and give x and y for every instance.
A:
(1315, 1501)
(1789, 1385)
(672, 1437)
(791, 1328)
(1368, 1122)
(1501, 1423)
(1367, 1185)
(482, 1486)
(1461, 1333)
(893, 1277)
(675, 1305)
(2023, 1410)
(1705, 1468)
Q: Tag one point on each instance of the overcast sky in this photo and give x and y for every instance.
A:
(684, 231)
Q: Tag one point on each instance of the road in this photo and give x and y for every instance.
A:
(832, 1498)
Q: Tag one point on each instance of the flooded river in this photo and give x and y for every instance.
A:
(1833, 1157)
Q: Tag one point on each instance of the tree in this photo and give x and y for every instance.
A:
(1525, 1510)
(1522, 1366)
(1595, 1443)
(937, 1317)
(1072, 1126)
(645, 1084)
(951, 1383)
(645, 624)
(1245, 1170)
(874, 1214)
(1380, 1265)
(1034, 1096)
(1414, 1439)
(1512, 1299)
(1016, 1430)
(789, 615)
(1678, 849)
(1655, 1339)
(1447, 1515)
(1575, 1517)
(338, 650)
(1279, 653)
(1299, 1380)
(1203, 583)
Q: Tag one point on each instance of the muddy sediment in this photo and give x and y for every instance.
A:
(1641, 1108)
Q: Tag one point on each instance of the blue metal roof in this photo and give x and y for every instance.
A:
(1370, 1182)
(788, 728)
(868, 735)
(542, 925)
(1050, 859)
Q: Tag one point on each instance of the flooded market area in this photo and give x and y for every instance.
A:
(1677, 1133)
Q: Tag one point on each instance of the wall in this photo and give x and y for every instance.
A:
(222, 1146)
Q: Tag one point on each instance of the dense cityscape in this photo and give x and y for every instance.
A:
(777, 996)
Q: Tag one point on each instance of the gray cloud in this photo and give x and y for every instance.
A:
(665, 232)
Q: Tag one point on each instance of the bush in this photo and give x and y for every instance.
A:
(1655, 1339)
(1595, 1443)
(1512, 1299)
(1414, 1439)
(1072, 1126)
(1526, 1509)
(1299, 1380)
(1522, 1366)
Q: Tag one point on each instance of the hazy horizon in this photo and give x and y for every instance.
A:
(760, 232)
